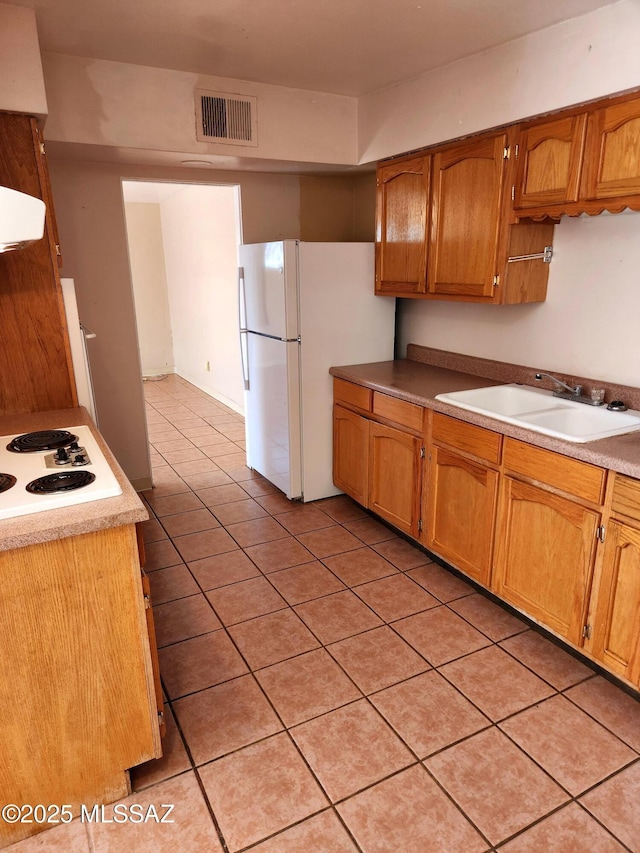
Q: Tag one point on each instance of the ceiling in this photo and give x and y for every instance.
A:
(348, 47)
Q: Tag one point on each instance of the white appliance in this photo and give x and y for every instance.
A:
(78, 337)
(52, 469)
(304, 307)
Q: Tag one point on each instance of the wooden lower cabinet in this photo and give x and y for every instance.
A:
(77, 699)
(545, 552)
(351, 454)
(395, 476)
(616, 627)
(460, 517)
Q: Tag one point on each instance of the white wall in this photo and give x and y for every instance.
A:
(581, 59)
(149, 280)
(200, 234)
(588, 325)
(21, 79)
(93, 101)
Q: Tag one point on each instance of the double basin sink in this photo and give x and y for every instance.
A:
(540, 411)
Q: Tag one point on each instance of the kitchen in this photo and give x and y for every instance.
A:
(521, 334)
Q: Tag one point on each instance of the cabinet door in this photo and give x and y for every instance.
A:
(395, 476)
(616, 630)
(401, 226)
(461, 518)
(550, 162)
(465, 227)
(545, 554)
(613, 151)
(351, 453)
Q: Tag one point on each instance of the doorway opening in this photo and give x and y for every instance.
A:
(183, 253)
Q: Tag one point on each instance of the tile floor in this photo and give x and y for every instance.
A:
(331, 689)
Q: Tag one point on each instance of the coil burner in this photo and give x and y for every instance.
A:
(34, 442)
(6, 482)
(63, 481)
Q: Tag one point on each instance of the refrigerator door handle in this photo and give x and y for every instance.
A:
(242, 314)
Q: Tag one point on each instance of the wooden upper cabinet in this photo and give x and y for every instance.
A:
(466, 218)
(549, 157)
(612, 166)
(401, 226)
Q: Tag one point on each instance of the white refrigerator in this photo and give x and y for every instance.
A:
(303, 308)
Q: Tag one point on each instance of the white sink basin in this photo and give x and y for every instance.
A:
(539, 410)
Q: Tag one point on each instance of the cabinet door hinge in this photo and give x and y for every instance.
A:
(601, 533)
(58, 252)
(517, 151)
(496, 281)
(423, 452)
(147, 601)
(419, 525)
(42, 151)
(586, 632)
(507, 152)
(513, 192)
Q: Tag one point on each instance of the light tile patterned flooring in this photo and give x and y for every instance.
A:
(331, 689)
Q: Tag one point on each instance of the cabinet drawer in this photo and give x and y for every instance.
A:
(352, 395)
(399, 411)
(569, 475)
(626, 496)
(466, 437)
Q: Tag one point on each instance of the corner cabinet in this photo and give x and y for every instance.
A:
(444, 229)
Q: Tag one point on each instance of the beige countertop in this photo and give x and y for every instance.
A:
(34, 528)
(419, 383)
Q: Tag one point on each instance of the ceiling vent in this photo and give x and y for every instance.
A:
(231, 119)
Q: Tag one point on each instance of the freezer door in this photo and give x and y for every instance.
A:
(269, 286)
(272, 412)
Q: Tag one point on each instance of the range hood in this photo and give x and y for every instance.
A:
(21, 219)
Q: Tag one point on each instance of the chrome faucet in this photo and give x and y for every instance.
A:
(573, 392)
(596, 397)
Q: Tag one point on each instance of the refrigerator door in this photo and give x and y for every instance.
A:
(272, 411)
(269, 288)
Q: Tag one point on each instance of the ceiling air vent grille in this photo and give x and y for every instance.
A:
(226, 118)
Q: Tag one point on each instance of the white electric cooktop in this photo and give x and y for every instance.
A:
(79, 462)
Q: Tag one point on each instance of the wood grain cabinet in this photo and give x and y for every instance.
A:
(615, 625)
(612, 162)
(77, 697)
(547, 536)
(36, 373)
(462, 495)
(402, 219)
(378, 452)
(451, 236)
(549, 156)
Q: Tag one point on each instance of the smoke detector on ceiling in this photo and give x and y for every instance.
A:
(225, 118)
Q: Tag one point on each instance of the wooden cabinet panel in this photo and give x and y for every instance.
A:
(475, 440)
(35, 360)
(544, 556)
(76, 684)
(461, 512)
(466, 218)
(395, 473)
(550, 160)
(616, 631)
(568, 475)
(351, 394)
(393, 409)
(351, 453)
(626, 497)
(402, 226)
(613, 151)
